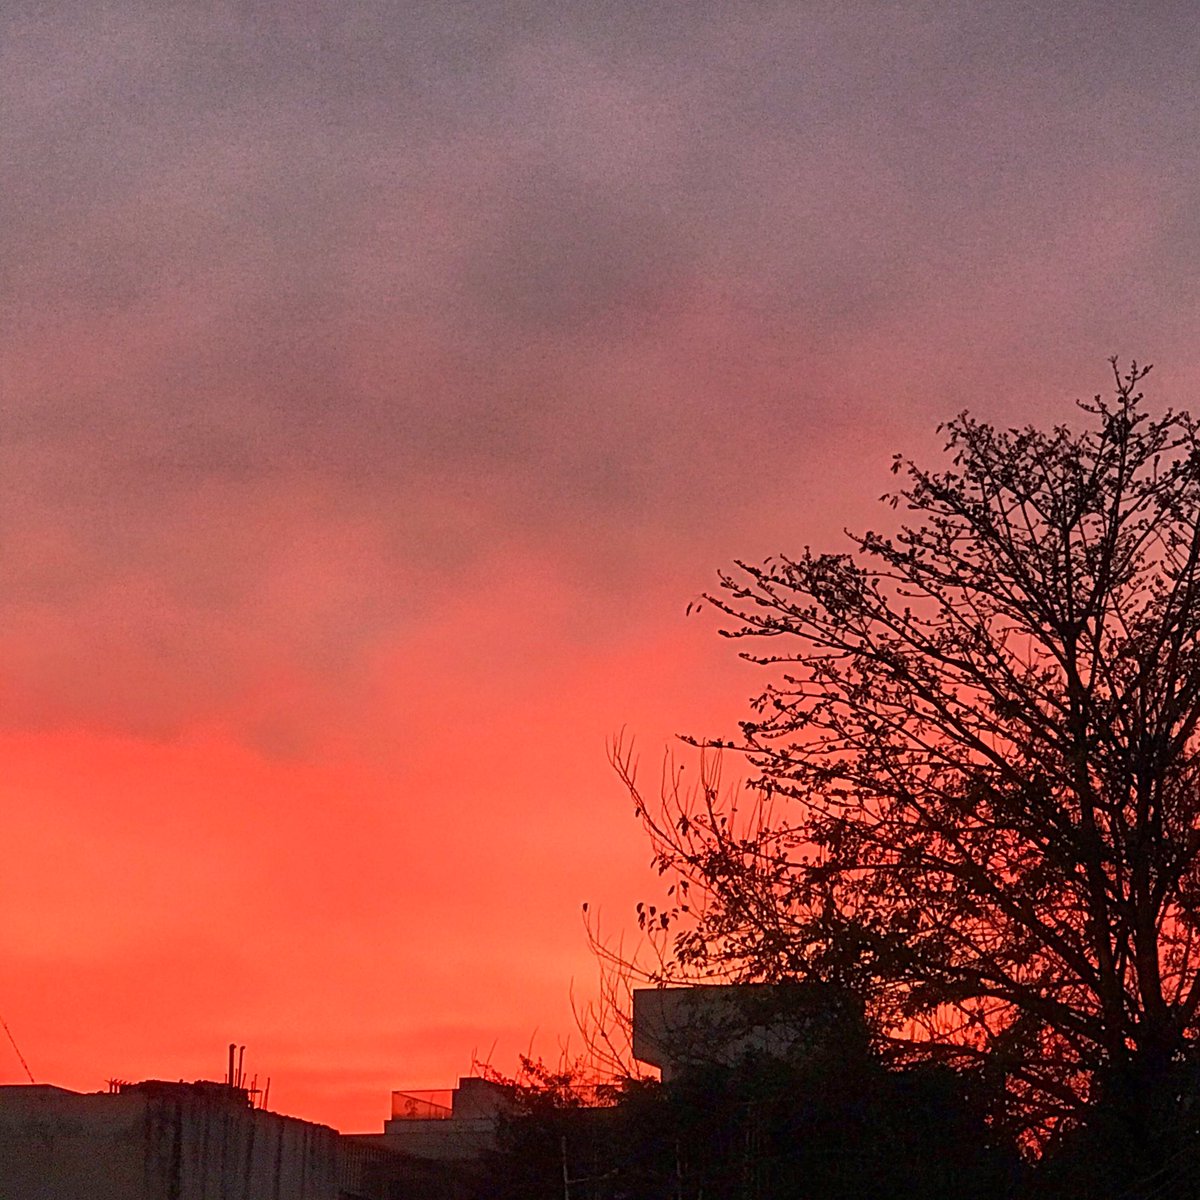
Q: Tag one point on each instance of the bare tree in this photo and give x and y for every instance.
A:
(975, 794)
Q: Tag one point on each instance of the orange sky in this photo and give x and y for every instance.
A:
(379, 385)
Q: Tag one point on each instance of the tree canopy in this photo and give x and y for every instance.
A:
(974, 793)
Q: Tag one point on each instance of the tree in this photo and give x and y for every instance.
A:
(833, 1125)
(975, 793)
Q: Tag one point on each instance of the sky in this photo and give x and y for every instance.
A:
(379, 384)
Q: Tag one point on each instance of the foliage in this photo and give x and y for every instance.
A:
(537, 1087)
(1136, 1142)
(549, 1108)
(976, 797)
(837, 1129)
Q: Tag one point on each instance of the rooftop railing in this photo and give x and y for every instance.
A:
(433, 1105)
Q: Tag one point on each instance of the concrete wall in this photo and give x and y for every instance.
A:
(373, 1170)
(158, 1141)
(722, 1024)
(57, 1145)
(461, 1139)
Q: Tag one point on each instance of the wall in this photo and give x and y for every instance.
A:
(722, 1024)
(158, 1141)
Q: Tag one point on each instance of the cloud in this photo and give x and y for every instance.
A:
(380, 381)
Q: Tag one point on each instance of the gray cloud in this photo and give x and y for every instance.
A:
(610, 283)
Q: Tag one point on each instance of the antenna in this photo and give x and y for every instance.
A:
(17, 1048)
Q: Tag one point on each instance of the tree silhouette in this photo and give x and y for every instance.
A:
(829, 1125)
(976, 795)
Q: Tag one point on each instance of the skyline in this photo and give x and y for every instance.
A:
(381, 385)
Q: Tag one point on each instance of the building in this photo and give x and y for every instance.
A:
(724, 1024)
(433, 1147)
(449, 1125)
(159, 1141)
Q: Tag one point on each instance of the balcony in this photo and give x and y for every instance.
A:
(436, 1104)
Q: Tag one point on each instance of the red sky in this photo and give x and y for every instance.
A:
(379, 384)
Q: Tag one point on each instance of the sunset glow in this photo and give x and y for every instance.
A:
(381, 382)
